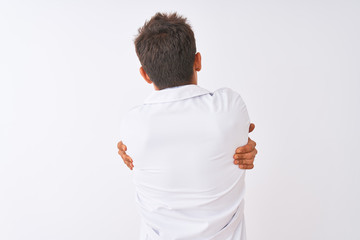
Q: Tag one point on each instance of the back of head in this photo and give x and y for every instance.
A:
(166, 49)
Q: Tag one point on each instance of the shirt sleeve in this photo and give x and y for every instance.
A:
(240, 105)
(236, 104)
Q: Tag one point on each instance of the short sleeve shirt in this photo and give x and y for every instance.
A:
(182, 141)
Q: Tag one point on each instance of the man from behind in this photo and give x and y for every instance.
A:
(182, 140)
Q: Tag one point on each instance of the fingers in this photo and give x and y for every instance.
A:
(121, 146)
(251, 127)
(129, 164)
(122, 153)
(250, 146)
(244, 162)
(245, 156)
(126, 158)
(249, 155)
(128, 161)
(251, 166)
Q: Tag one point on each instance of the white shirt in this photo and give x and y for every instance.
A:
(182, 141)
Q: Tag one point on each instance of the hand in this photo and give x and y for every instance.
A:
(244, 156)
(126, 158)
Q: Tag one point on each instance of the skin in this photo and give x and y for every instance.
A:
(244, 156)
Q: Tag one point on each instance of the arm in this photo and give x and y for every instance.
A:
(244, 156)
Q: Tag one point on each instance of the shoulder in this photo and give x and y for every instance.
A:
(225, 91)
(228, 95)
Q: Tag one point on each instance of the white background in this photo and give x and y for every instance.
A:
(69, 73)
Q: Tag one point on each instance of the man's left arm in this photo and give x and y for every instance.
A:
(244, 156)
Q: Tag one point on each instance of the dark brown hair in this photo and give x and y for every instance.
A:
(166, 48)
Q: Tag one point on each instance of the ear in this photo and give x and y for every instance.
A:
(144, 75)
(197, 62)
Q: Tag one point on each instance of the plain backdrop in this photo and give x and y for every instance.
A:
(69, 73)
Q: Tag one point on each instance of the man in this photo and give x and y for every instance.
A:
(182, 140)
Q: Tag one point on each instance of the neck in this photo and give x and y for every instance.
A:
(193, 81)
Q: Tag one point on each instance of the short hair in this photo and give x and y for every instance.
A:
(166, 48)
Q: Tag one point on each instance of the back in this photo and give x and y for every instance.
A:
(182, 141)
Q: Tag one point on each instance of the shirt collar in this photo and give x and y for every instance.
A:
(175, 93)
